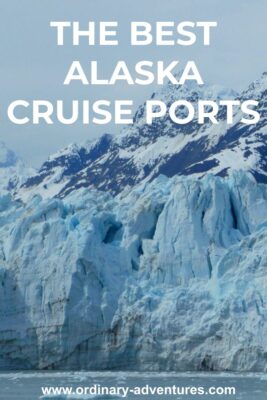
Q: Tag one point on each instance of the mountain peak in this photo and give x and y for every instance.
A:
(13, 172)
(7, 157)
(257, 88)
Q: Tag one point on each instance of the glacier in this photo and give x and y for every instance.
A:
(168, 275)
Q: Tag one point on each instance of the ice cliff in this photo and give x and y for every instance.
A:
(170, 275)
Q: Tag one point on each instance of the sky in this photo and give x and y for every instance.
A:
(32, 66)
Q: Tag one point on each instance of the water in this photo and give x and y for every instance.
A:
(27, 385)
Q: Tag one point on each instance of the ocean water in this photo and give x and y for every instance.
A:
(28, 385)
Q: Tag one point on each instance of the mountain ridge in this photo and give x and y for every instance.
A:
(142, 152)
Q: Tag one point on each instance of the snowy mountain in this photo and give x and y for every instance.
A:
(170, 276)
(13, 172)
(142, 152)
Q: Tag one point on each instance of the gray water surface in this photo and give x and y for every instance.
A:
(27, 385)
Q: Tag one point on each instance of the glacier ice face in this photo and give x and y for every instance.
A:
(56, 280)
(170, 275)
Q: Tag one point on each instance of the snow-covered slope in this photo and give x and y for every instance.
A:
(13, 173)
(142, 152)
(171, 275)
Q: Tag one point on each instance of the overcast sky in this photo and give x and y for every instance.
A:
(33, 67)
